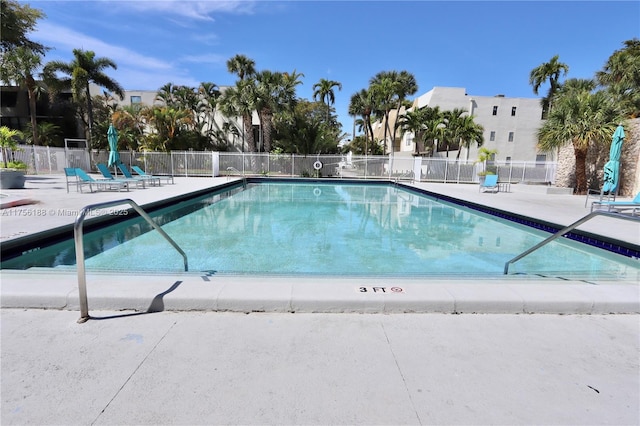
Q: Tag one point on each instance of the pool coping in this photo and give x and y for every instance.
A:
(288, 294)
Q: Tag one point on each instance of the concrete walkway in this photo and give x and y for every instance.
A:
(149, 364)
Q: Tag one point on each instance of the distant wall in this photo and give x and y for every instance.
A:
(629, 163)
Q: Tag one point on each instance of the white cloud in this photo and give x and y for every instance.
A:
(66, 39)
(201, 10)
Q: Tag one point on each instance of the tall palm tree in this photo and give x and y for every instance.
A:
(18, 66)
(83, 70)
(384, 87)
(621, 76)
(580, 117)
(238, 101)
(407, 86)
(242, 66)
(548, 71)
(323, 90)
(362, 104)
(275, 91)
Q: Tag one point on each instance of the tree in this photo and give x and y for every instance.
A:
(304, 131)
(16, 21)
(8, 142)
(621, 77)
(242, 66)
(550, 71)
(450, 132)
(323, 91)
(48, 133)
(580, 117)
(275, 91)
(238, 101)
(469, 132)
(83, 70)
(362, 104)
(414, 122)
(18, 66)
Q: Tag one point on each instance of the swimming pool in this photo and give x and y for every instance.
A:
(328, 228)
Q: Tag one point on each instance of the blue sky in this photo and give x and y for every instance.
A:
(487, 47)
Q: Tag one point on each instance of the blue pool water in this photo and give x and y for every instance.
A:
(338, 229)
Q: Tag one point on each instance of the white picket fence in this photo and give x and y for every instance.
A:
(47, 160)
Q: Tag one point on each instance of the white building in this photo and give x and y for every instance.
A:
(510, 124)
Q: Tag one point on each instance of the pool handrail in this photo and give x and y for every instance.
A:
(567, 229)
(79, 244)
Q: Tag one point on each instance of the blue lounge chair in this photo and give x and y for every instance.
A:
(618, 206)
(490, 184)
(85, 179)
(108, 176)
(151, 179)
(141, 172)
(72, 179)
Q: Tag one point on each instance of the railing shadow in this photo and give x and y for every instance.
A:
(157, 305)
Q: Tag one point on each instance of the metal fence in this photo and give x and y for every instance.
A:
(43, 159)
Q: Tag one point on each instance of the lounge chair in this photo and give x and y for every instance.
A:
(125, 171)
(72, 179)
(618, 206)
(85, 179)
(490, 184)
(108, 176)
(141, 172)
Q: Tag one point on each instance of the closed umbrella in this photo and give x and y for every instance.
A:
(612, 167)
(112, 137)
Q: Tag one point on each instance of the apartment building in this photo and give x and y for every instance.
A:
(510, 125)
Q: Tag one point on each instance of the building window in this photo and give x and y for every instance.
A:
(492, 136)
(495, 110)
(508, 160)
(510, 136)
(136, 100)
(513, 111)
(541, 159)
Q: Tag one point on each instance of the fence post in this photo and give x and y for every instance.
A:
(446, 170)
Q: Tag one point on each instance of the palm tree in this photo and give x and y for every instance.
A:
(581, 117)
(450, 133)
(83, 70)
(384, 88)
(621, 76)
(323, 90)
(275, 91)
(238, 101)
(8, 142)
(469, 132)
(414, 121)
(550, 71)
(361, 104)
(18, 66)
(47, 133)
(16, 21)
(242, 66)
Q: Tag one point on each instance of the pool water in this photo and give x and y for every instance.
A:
(339, 229)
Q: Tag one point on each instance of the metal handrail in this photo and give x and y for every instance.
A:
(569, 228)
(244, 178)
(79, 243)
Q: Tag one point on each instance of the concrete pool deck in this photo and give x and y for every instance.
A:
(138, 361)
